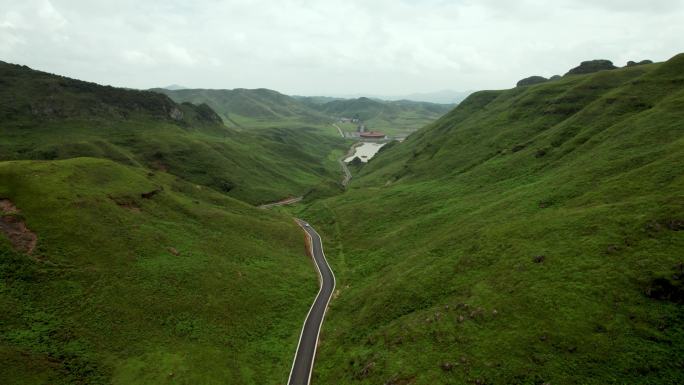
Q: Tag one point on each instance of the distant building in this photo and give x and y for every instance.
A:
(373, 135)
(362, 128)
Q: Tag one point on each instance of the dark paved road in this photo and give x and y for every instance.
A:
(302, 367)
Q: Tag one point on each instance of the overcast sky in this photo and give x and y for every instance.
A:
(386, 47)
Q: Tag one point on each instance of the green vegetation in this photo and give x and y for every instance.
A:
(263, 108)
(252, 108)
(391, 117)
(50, 117)
(591, 66)
(530, 236)
(147, 269)
(186, 286)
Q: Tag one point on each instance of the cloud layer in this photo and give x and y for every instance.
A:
(332, 47)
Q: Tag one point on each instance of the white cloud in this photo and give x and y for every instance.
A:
(179, 55)
(332, 47)
(49, 16)
(137, 58)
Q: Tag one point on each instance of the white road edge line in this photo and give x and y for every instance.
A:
(320, 277)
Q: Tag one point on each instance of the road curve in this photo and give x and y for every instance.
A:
(302, 366)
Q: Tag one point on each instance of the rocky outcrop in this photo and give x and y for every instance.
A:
(591, 66)
(531, 80)
(176, 114)
(643, 62)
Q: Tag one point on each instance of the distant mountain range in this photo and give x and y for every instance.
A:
(267, 108)
(438, 97)
(174, 87)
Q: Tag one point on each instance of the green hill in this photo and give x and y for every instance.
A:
(144, 278)
(244, 108)
(393, 117)
(531, 235)
(252, 108)
(47, 116)
(125, 257)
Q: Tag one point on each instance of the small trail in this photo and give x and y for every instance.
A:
(347, 173)
(338, 129)
(343, 165)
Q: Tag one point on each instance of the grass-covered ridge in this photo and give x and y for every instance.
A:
(259, 108)
(530, 236)
(130, 248)
(252, 108)
(399, 117)
(46, 116)
(143, 278)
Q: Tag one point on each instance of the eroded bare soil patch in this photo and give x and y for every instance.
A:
(14, 227)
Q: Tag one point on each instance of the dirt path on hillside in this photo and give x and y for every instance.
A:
(284, 202)
(345, 169)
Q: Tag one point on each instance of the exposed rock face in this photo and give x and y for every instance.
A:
(531, 80)
(592, 66)
(176, 114)
(643, 62)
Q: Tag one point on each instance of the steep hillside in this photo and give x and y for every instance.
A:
(251, 108)
(124, 255)
(46, 116)
(138, 277)
(530, 236)
(393, 117)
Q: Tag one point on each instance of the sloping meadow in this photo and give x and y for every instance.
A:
(532, 235)
(140, 277)
(130, 249)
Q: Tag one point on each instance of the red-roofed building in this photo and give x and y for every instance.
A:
(373, 135)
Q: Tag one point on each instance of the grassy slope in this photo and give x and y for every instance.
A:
(103, 300)
(433, 246)
(50, 117)
(262, 108)
(392, 117)
(252, 108)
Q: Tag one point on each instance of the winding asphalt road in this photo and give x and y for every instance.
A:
(302, 367)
